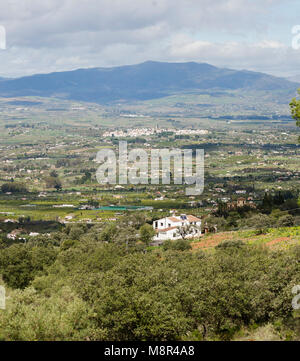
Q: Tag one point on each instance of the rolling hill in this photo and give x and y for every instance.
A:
(144, 81)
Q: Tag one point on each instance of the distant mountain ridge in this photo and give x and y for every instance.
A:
(295, 78)
(144, 81)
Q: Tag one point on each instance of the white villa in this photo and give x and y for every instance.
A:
(169, 227)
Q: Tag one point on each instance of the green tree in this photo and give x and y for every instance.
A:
(295, 110)
(54, 174)
(16, 266)
(20, 263)
(108, 233)
(53, 182)
(146, 233)
(177, 245)
(286, 221)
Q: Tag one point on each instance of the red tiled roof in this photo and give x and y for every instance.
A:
(174, 219)
(191, 218)
(165, 229)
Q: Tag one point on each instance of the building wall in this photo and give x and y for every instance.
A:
(171, 234)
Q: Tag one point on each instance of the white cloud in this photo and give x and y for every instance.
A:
(53, 35)
(265, 56)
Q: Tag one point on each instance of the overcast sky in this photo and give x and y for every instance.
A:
(55, 35)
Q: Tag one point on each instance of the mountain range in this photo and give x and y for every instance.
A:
(144, 81)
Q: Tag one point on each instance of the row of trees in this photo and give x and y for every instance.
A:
(13, 187)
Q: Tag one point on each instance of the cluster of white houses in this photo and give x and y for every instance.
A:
(176, 227)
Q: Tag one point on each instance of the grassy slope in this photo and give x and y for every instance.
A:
(276, 238)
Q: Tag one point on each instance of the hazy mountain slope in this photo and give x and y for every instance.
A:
(295, 78)
(143, 81)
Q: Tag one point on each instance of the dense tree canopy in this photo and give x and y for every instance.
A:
(90, 289)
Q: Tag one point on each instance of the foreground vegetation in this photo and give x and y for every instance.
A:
(87, 285)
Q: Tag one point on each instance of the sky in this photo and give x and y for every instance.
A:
(44, 36)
